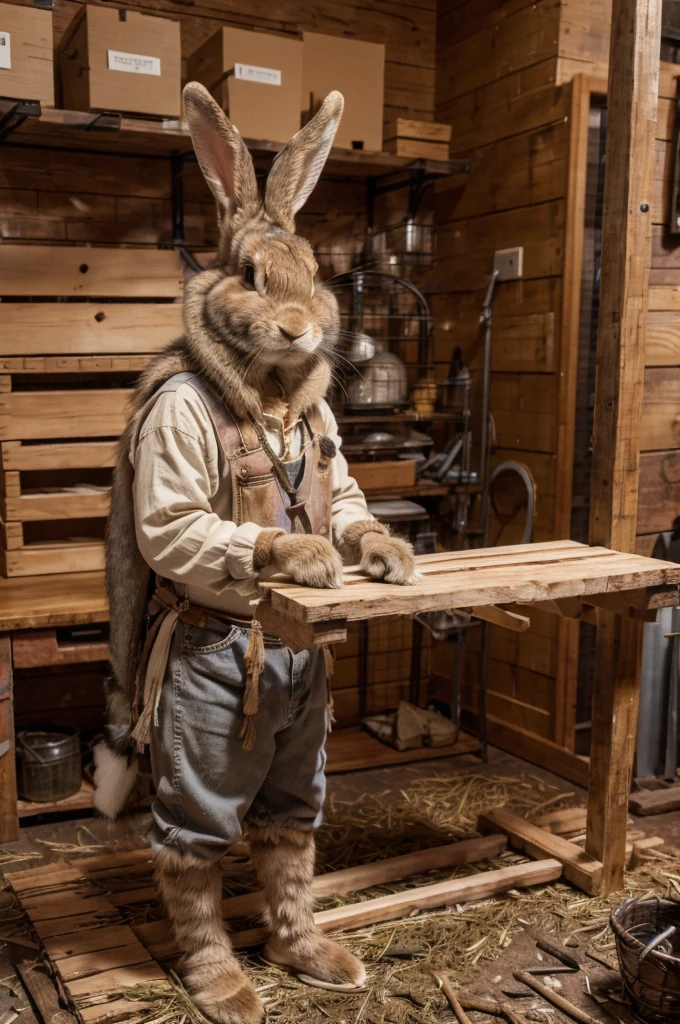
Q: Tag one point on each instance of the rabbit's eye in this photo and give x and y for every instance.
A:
(248, 273)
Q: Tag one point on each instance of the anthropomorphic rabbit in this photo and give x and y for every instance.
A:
(230, 465)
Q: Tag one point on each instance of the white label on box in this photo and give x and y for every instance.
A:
(5, 51)
(134, 62)
(251, 73)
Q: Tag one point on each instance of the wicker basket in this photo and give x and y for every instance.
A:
(651, 984)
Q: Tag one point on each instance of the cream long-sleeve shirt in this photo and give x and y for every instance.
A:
(183, 502)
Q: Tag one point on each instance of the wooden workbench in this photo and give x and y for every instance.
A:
(560, 576)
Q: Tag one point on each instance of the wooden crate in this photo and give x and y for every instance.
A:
(67, 365)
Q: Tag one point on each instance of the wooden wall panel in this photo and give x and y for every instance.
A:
(496, 72)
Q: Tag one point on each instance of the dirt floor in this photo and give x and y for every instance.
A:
(380, 813)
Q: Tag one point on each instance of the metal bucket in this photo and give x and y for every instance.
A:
(48, 763)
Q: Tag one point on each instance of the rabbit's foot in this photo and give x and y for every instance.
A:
(309, 560)
(319, 959)
(388, 558)
(220, 989)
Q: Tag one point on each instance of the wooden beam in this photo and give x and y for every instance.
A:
(502, 617)
(577, 866)
(626, 255)
(9, 820)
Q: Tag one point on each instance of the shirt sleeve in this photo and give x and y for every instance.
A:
(176, 475)
(349, 504)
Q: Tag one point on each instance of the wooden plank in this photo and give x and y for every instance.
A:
(465, 248)
(32, 650)
(625, 274)
(128, 1010)
(61, 904)
(579, 867)
(659, 491)
(502, 617)
(576, 175)
(63, 455)
(92, 940)
(51, 328)
(662, 344)
(525, 37)
(618, 654)
(523, 170)
(466, 587)
(505, 108)
(115, 979)
(573, 819)
(59, 505)
(29, 415)
(76, 271)
(479, 886)
(9, 823)
(53, 559)
(626, 254)
(660, 403)
(43, 994)
(93, 963)
(76, 922)
(59, 600)
(656, 801)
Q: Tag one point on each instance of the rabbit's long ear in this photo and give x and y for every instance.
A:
(297, 168)
(222, 154)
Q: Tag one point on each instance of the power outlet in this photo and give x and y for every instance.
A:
(508, 263)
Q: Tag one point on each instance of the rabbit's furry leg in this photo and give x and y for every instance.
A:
(309, 560)
(284, 861)
(381, 556)
(192, 893)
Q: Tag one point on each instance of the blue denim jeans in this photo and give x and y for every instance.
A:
(207, 785)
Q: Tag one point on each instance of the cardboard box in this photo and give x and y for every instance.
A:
(26, 71)
(256, 78)
(357, 69)
(119, 60)
(377, 476)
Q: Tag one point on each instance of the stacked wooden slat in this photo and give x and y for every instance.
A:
(76, 327)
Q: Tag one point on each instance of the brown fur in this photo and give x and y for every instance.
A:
(351, 537)
(380, 556)
(192, 892)
(284, 862)
(309, 560)
(388, 558)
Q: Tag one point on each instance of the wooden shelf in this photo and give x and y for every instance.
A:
(352, 749)
(80, 801)
(429, 490)
(120, 134)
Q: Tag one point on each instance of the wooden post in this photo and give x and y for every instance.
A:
(624, 282)
(9, 821)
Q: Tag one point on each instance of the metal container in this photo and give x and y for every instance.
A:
(382, 384)
(48, 763)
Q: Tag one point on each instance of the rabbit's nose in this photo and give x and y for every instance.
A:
(293, 335)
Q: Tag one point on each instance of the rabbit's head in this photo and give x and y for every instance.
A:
(269, 305)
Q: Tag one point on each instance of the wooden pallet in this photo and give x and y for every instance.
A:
(77, 909)
(66, 369)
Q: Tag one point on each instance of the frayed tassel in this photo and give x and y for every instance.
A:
(329, 661)
(254, 663)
